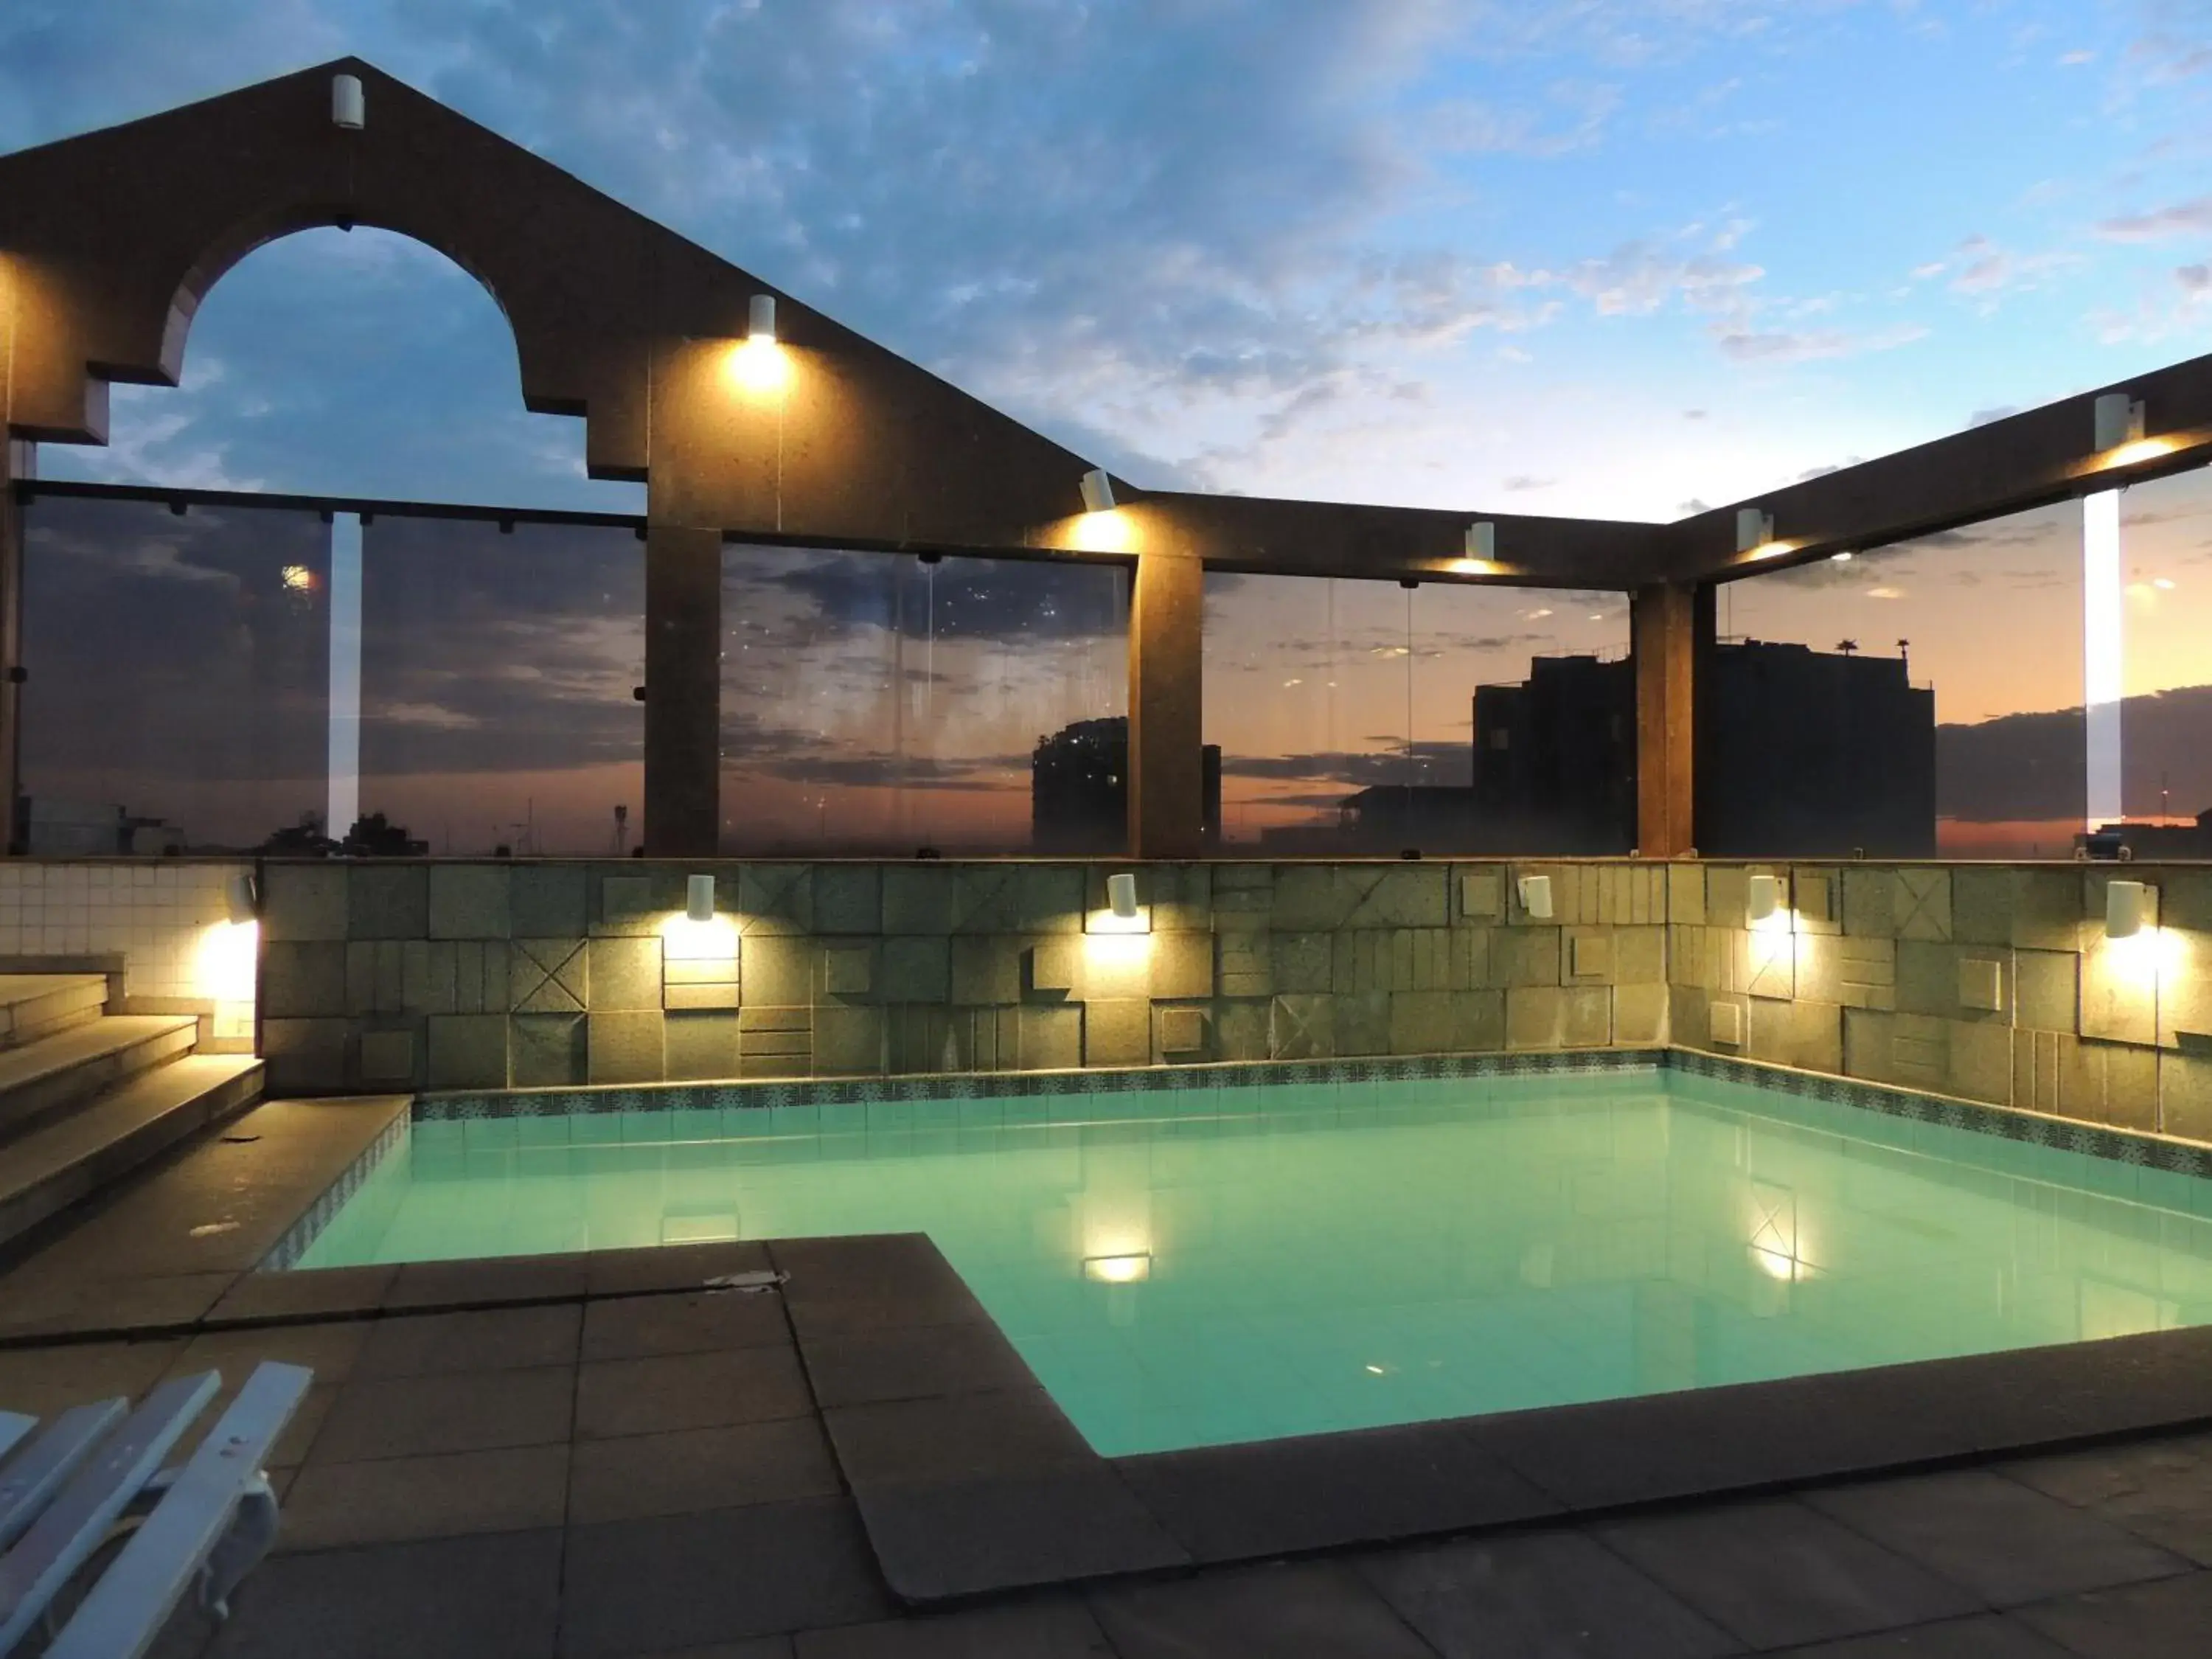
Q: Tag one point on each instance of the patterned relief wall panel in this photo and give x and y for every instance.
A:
(1991, 982)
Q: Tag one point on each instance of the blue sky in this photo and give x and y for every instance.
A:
(1599, 257)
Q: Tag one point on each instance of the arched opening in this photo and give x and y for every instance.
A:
(221, 676)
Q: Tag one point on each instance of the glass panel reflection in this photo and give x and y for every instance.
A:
(2166, 714)
(876, 704)
(1367, 717)
(496, 678)
(179, 674)
(1914, 700)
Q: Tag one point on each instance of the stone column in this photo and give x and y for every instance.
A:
(1167, 802)
(683, 690)
(1663, 632)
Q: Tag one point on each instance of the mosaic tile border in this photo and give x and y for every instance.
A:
(288, 1250)
(993, 1085)
(1998, 1122)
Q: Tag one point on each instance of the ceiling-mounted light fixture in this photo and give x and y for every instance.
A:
(699, 898)
(1482, 541)
(1097, 491)
(348, 107)
(760, 322)
(2119, 420)
(1754, 529)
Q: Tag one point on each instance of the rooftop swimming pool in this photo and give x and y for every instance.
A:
(1186, 1266)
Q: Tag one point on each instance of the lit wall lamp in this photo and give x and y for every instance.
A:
(1536, 896)
(1482, 542)
(1763, 897)
(1121, 895)
(1754, 529)
(2126, 905)
(1097, 491)
(760, 322)
(699, 898)
(242, 899)
(348, 107)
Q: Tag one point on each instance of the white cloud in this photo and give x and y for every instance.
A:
(1784, 346)
(2189, 218)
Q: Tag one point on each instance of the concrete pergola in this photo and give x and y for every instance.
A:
(109, 240)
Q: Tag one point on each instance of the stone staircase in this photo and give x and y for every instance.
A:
(86, 1096)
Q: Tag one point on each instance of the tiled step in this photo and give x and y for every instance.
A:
(33, 1006)
(45, 1078)
(55, 1166)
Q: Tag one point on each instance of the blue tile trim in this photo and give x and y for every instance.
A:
(2003, 1123)
(303, 1233)
(764, 1093)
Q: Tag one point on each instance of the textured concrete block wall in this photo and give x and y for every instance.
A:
(1989, 981)
(498, 974)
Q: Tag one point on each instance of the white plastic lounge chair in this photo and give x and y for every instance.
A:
(96, 1472)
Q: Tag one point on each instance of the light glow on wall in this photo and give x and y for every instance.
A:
(1110, 532)
(761, 366)
(224, 960)
(1131, 1269)
(685, 940)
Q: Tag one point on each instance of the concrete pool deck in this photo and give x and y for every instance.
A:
(593, 1454)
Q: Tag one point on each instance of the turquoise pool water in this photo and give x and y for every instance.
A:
(1213, 1265)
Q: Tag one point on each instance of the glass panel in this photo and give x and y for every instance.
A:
(2166, 725)
(497, 674)
(1919, 699)
(872, 703)
(179, 672)
(1367, 717)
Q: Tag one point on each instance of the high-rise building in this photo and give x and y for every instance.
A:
(1079, 788)
(1555, 758)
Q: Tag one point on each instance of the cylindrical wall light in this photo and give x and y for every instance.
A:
(2126, 905)
(348, 107)
(1482, 541)
(242, 899)
(1097, 491)
(699, 897)
(1121, 894)
(1536, 897)
(1762, 897)
(760, 323)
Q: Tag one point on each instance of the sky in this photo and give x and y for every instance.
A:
(1601, 258)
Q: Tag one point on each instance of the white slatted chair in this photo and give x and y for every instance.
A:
(96, 1472)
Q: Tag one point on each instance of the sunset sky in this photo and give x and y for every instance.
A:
(1613, 258)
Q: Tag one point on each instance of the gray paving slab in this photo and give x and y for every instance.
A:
(699, 1322)
(669, 1392)
(917, 1363)
(2169, 1620)
(484, 1339)
(2158, 1489)
(1059, 1627)
(1011, 1432)
(968, 1538)
(395, 1499)
(1550, 1595)
(467, 1411)
(1231, 1503)
(1776, 1572)
(1305, 1610)
(1999, 1539)
(689, 1580)
(697, 1469)
(1986, 1636)
(489, 1597)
